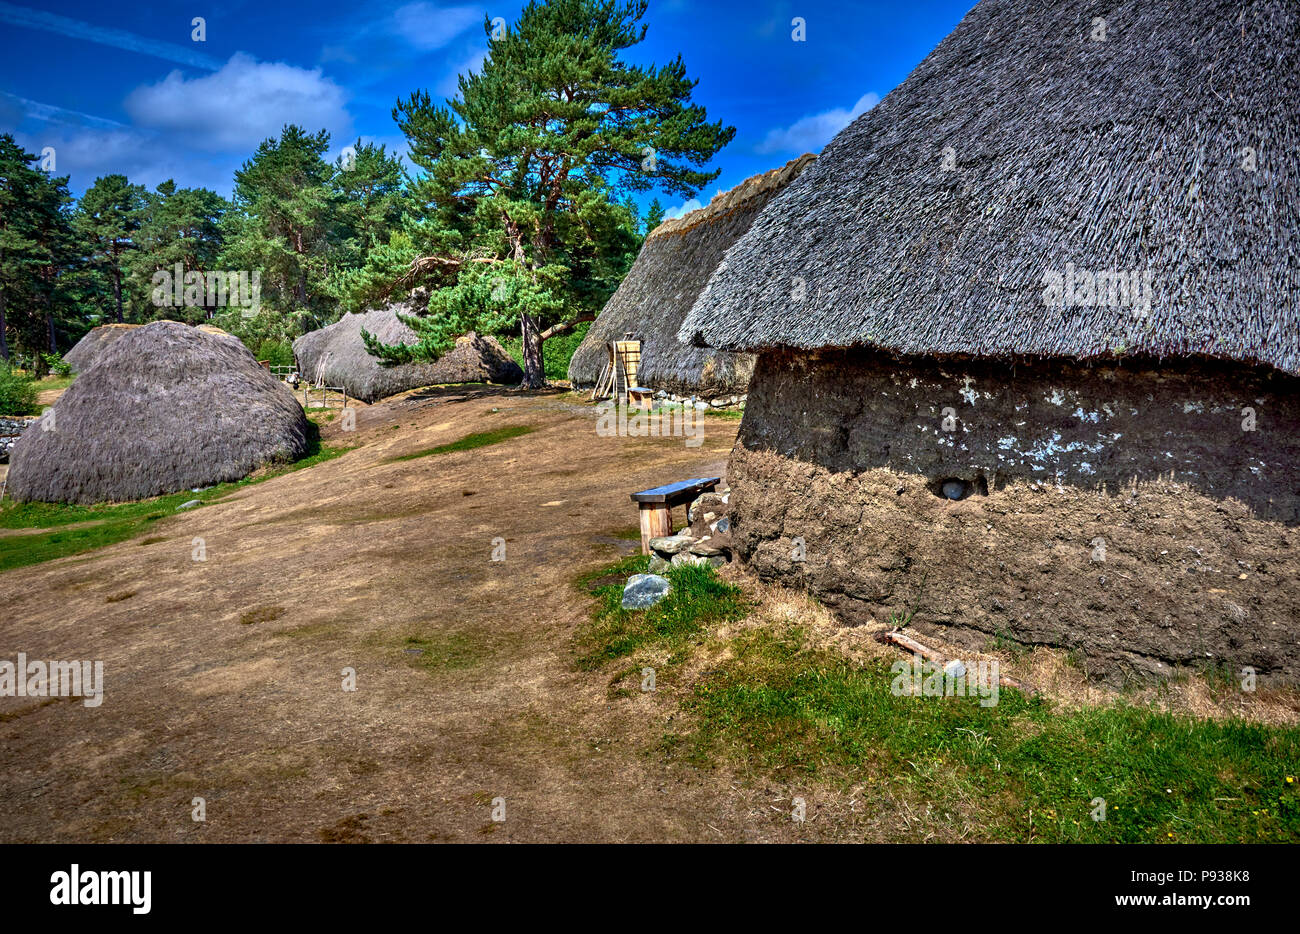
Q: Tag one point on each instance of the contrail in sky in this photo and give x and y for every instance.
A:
(118, 38)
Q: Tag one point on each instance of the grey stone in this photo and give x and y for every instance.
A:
(644, 591)
(723, 524)
(658, 564)
(189, 504)
(671, 544)
(954, 489)
(686, 558)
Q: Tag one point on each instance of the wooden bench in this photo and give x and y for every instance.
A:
(656, 506)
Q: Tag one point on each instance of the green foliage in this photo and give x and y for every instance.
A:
(654, 216)
(275, 352)
(56, 365)
(17, 392)
(178, 228)
(106, 221)
(518, 201)
(36, 246)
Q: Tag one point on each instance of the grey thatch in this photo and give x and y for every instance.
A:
(87, 350)
(674, 264)
(166, 407)
(1038, 138)
(339, 356)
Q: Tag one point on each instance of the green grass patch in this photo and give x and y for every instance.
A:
(1029, 772)
(445, 651)
(469, 442)
(109, 523)
(1022, 770)
(698, 599)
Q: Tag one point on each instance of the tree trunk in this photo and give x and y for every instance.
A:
(49, 325)
(534, 370)
(117, 294)
(4, 340)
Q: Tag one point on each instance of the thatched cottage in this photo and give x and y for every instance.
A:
(87, 350)
(675, 262)
(337, 355)
(166, 407)
(1029, 336)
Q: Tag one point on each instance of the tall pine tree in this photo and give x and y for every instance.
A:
(517, 214)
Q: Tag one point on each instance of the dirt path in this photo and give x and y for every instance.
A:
(466, 688)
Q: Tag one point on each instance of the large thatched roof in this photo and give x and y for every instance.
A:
(166, 407)
(475, 358)
(674, 264)
(87, 350)
(1022, 144)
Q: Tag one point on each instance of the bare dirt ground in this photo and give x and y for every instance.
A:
(224, 677)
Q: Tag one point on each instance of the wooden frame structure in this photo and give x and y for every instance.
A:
(656, 506)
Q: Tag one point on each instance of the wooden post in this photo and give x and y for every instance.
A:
(656, 522)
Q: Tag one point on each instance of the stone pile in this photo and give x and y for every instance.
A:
(705, 541)
(11, 426)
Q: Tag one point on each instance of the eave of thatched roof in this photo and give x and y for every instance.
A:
(1066, 153)
(338, 355)
(663, 283)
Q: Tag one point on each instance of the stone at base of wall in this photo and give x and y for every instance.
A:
(11, 426)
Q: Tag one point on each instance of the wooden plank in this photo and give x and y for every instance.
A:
(674, 493)
(656, 522)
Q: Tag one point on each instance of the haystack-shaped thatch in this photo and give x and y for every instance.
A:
(674, 264)
(338, 355)
(1034, 139)
(166, 407)
(95, 341)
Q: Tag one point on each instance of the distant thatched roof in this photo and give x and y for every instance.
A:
(166, 407)
(665, 280)
(87, 350)
(475, 358)
(1022, 144)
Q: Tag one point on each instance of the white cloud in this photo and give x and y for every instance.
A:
(243, 103)
(688, 207)
(811, 133)
(427, 26)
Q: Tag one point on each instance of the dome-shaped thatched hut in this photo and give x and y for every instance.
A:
(94, 342)
(337, 355)
(1040, 380)
(166, 407)
(672, 268)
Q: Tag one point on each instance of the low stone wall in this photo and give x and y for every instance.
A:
(1143, 516)
(11, 426)
(717, 402)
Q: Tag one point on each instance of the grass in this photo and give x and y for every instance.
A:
(54, 382)
(697, 600)
(770, 706)
(469, 442)
(445, 651)
(107, 524)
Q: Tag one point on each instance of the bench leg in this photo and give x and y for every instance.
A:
(656, 522)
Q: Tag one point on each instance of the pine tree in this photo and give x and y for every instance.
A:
(179, 226)
(106, 220)
(654, 216)
(517, 211)
(36, 250)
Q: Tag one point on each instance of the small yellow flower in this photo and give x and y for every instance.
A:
(1290, 779)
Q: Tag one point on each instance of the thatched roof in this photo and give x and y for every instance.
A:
(674, 264)
(87, 350)
(475, 358)
(1128, 154)
(166, 407)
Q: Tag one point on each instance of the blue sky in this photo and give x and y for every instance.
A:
(123, 87)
